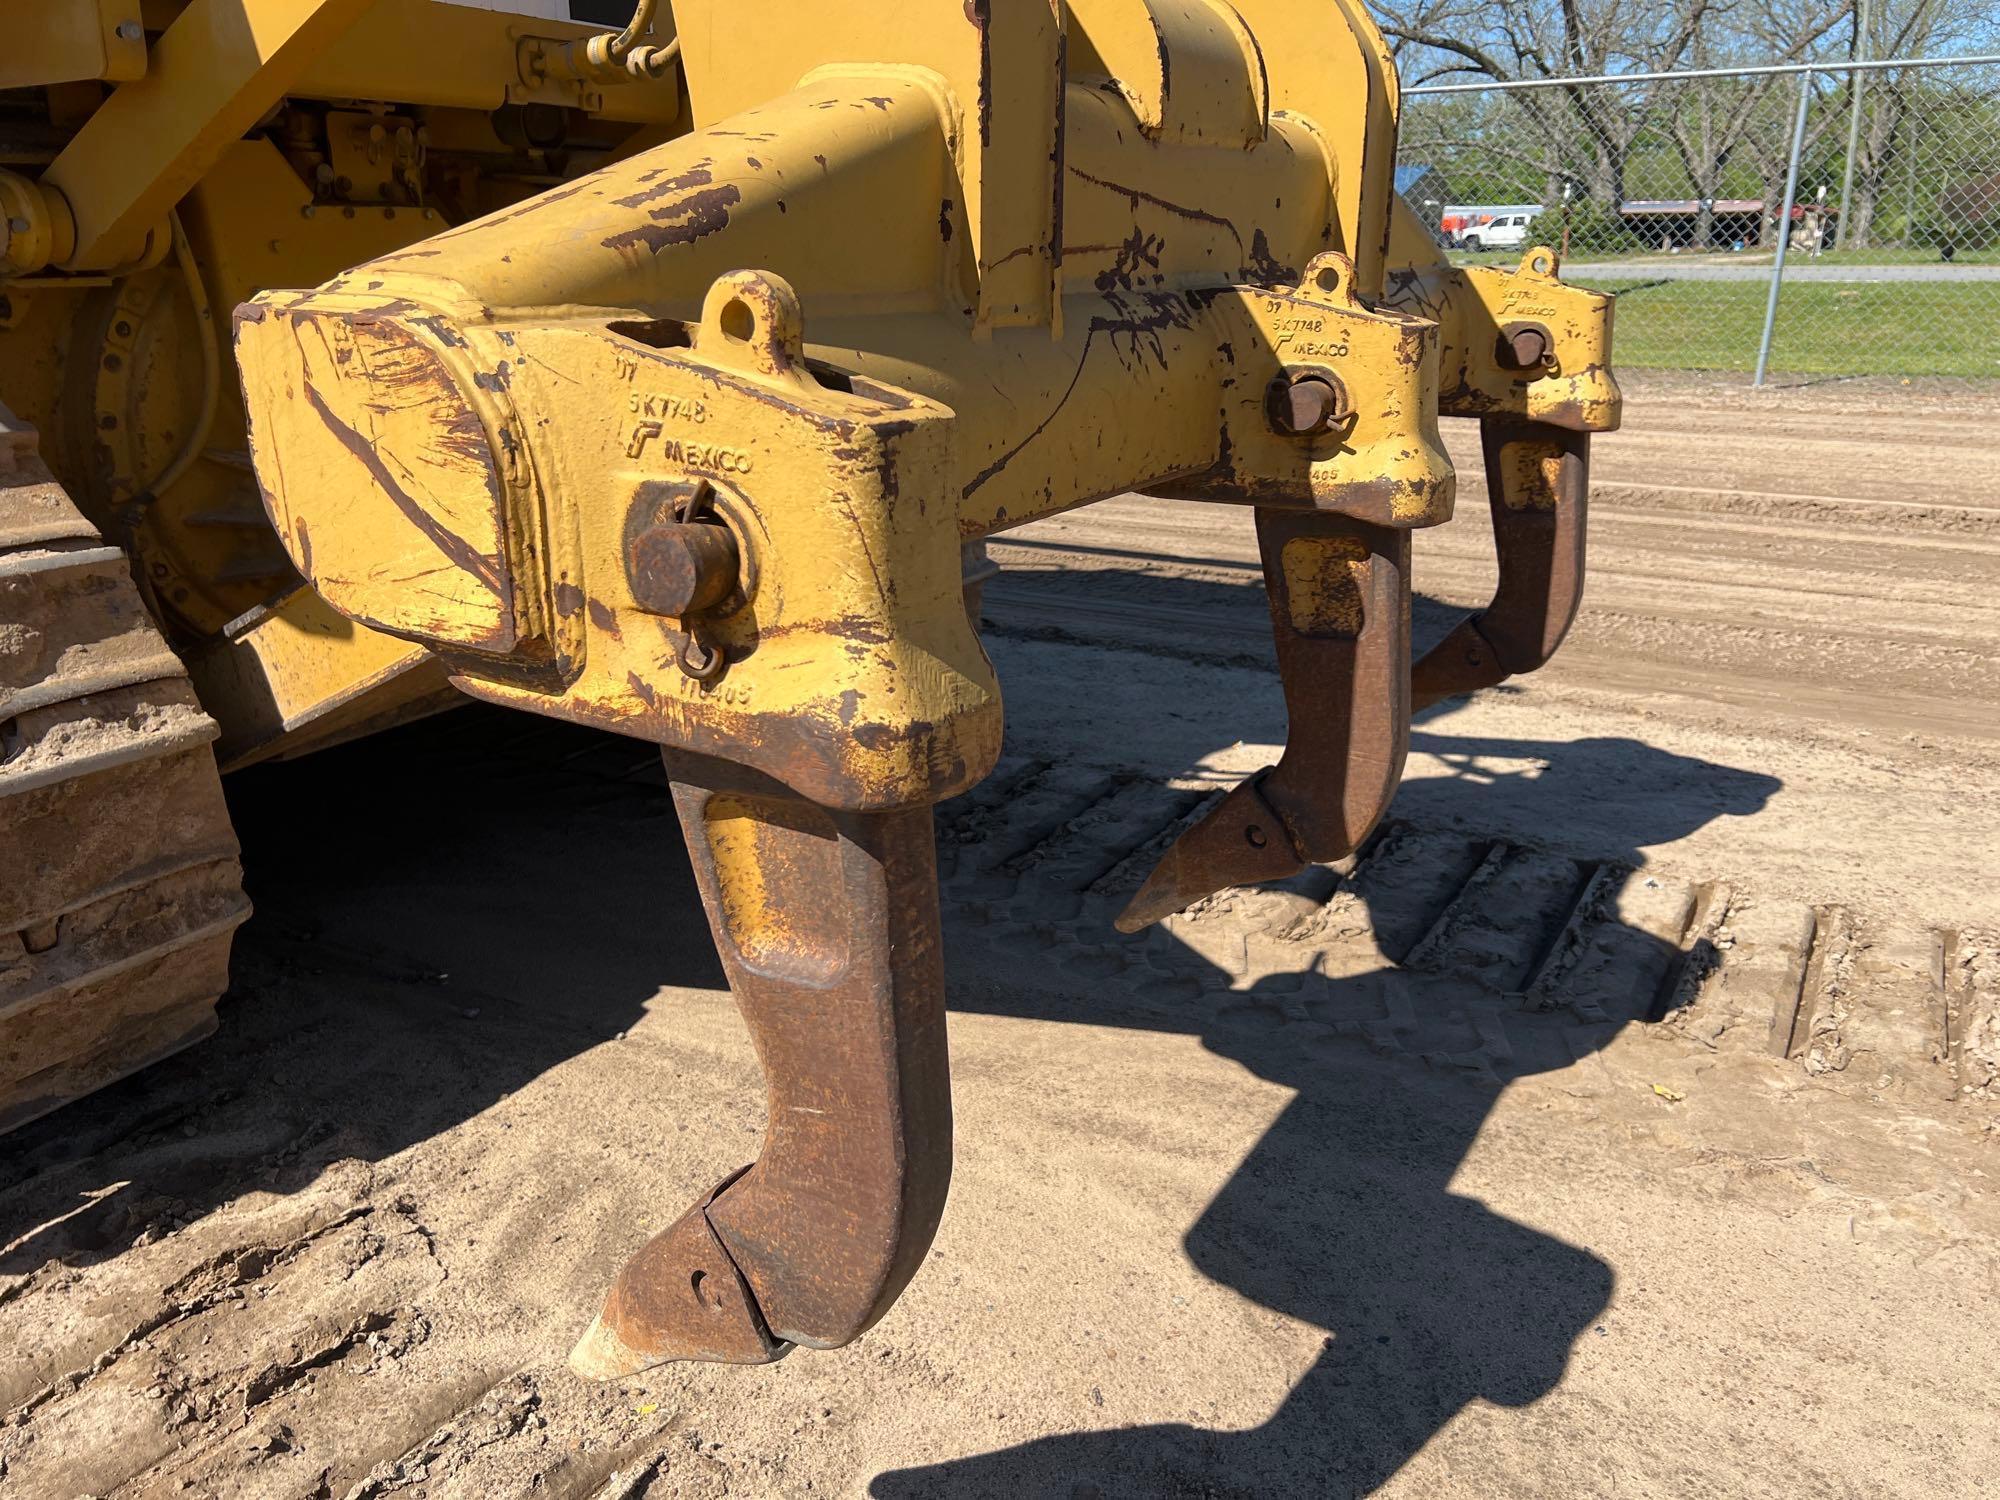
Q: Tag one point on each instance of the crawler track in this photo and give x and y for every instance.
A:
(119, 882)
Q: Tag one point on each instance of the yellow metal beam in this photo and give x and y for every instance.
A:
(295, 673)
(215, 72)
(394, 52)
(71, 42)
(998, 65)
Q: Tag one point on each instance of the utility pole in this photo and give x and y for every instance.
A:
(1855, 79)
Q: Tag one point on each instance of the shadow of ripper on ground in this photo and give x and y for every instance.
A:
(1341, 1217)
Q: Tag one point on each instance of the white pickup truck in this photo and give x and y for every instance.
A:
(1501, 232)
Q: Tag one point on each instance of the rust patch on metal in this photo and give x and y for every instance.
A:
(1326, 584)
(827, 924)
(663, 184)
(644, 690)
(695, 206)
(1265, 268)
(1537, 486)
(980, 14)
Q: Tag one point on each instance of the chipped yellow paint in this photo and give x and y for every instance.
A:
(394, 467)
(1533, 473)
(185, 126)
(1020, 323)
(758, 843)
(1472, 305)
(1326, 584)
(1387, 462)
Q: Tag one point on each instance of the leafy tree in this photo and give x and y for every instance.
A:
(1698, 139)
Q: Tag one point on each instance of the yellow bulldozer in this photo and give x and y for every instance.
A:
(360, 356)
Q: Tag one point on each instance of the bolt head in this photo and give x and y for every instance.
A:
(1305, 405)
(1524, 347)
(682, 567)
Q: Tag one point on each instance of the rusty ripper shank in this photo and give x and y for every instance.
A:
(688, 449)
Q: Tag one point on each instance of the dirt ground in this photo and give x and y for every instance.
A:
(1623, 1122)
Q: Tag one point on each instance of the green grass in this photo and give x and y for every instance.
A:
(1824, 328)
(1915, 255)
(1582, 254)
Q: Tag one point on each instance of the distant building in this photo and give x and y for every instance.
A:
(1670, 223)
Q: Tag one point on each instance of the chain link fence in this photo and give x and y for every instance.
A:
(1841, 221)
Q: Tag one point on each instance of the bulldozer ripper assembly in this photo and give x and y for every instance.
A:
(663, 380)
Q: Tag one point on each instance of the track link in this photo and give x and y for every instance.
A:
(119, 881)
